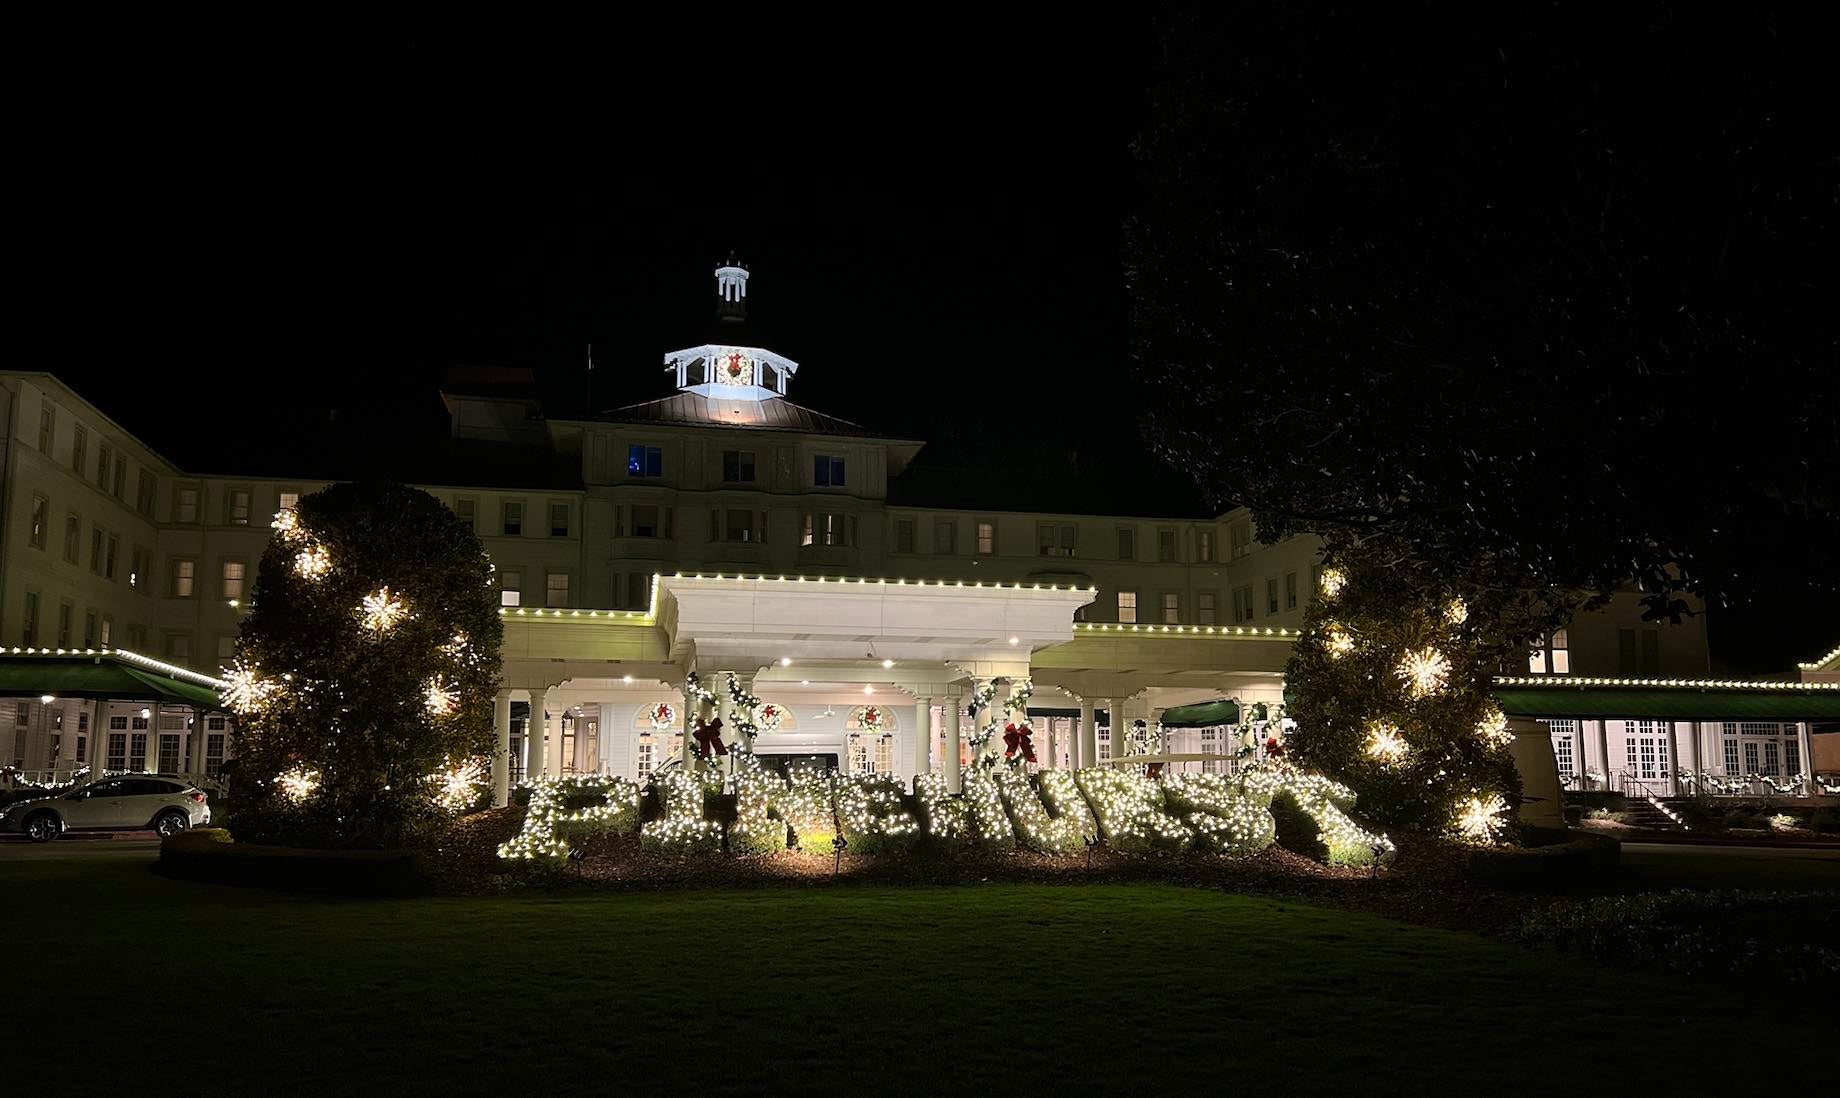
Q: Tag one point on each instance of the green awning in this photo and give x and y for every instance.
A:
(104, 677)
(1684, 703)
(1221, 711)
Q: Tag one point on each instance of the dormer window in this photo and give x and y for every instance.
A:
(827, 471)
(644, 461)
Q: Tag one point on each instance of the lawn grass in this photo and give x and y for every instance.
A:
(991, 989)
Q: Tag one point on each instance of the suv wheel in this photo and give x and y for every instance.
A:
(169, 824)
(42, 828)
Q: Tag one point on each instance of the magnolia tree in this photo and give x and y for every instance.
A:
(1390, 692)
(365, 672)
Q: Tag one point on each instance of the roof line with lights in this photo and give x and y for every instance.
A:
(168, 669)
(1822, 662)
(1225, 631)
(1667, 684)
(869, 581)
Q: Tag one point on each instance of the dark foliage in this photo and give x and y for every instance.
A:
(1777, 936)
(350, 703)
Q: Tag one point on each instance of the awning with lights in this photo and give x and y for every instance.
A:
(106, 676)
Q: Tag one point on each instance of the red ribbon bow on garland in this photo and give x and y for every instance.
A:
(1273, 749)
(1018, 736)
(709, 736)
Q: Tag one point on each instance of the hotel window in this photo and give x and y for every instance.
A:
(1271, 596)
(105, 459)
(1242, 604)
(96, 541)
(237, 507)
(89, 629)
(1127, 607)
(169, 753)
(1792, 754)
(558, 520)
(511, 518)
(650, 521)
(233, 579)
(884, 754)
(137, 568)
(903, 535)
(638, 590)
(28, 627)
(121, 474)
(465, 510)
(945, 536)
(137, 747)
(827, 471)
(108, 557)
(117, 758)
(644, 461)
(108, 631)
(1290, 590)
(510, 580)
(647, 756)
(1127, 543)
(185, 505)
(739, 524)
(214, 753)
(226, 646)
(73, 537)
(1553, 657)
(986, 538)
(828, 528)
(556, 589)
(1166, 546)
(287, 501)
(79, 450)
(1172, 608)
(1239, 539)
(1204, 607)
(40, 509)
(47, 427)
(143, 492)
(63, 629)
(1562, 754)
(738, 466)
(1056, 540)
(178, 647)
(1638, 651)
(1204, 546)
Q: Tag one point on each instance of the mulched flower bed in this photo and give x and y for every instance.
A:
(1427, 885)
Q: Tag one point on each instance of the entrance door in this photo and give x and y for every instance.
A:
(169, 753)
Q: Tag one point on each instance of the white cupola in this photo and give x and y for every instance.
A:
(729, 367)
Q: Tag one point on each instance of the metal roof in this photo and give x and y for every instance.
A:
(104, 676)
(1668, 703)
(695, 410)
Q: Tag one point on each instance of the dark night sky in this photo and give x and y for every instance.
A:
(256, 220)
(229, 221)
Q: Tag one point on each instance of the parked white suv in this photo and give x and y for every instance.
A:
(126, 802)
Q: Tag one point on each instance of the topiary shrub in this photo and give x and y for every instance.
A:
(365, 671)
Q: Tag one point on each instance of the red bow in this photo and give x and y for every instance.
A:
(1273, 748)
(1015, 736)
(709, 736)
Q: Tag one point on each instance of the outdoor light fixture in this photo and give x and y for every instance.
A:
(45, 699)
(868, 689)
(1015, 641)
(627, 679)
(785, 661)
(145, 713)
(804, 682)
(887, 663)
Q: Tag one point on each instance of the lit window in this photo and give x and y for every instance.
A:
(1172, 608)
(288, 501)
(233, 579)
(644, 461)
(239, 507)
(986, 538)
(1204, 607)
(556, 589)
(1127, 607)
(827, 471)
(40, 511)
(184, 571)
(1551, 657)
(509, 582)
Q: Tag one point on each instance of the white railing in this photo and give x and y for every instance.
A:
(1752, 785)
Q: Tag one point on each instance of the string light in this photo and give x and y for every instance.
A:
(1456, 612)
(1480, 819)
(244, 690)
(457, 785)
(1385, 743)
(297, 784)
(286, 524)
(1424, 671)
(382, 610)
(1337, 641)
(1331, 582)
(548, 829)
(1492, 727)
(312, 562)
(439, 699)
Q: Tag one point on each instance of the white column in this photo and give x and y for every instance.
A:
(1603, 751)
(1693, 751)
(692, 713)
(1804, 742)
(954, 770)
(1112, 723)
(1086, 737)
(194, 741)
(501, 751)
(926, 730)
(536, 733)
(731, 724)
(1050, 758)
(151, 764)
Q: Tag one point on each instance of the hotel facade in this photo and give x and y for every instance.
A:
(726, 530)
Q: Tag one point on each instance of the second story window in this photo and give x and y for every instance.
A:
(828, 528)
(105, 460)
(1204, 546)
(903, 535)
(185, 505)
(738, 466)
(1204, 607)
(108, 557)
(1239, 539)
(1552, 657)
(73, 537)
(41, 512)
(1056, 539)
(1166, 545)
(1242, 604)
(79, 450)
(184, 572)
(1127, 607)
(1127, 543)
(287, 501)
(986, 538)
(239, 507)
(1271, 595)
(1290, 590)
(827, 471)
(143, 492)
(233, 579)
(466, 511)
(558, 520)
(47, 428)
(510, 587)
(644, 461)
(137, 570)
(556, 589)
(1638, 651)
(96, 539)
(511, 519)
(740, 525)
(1172, 608)
(945, 536)
(650, 521)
